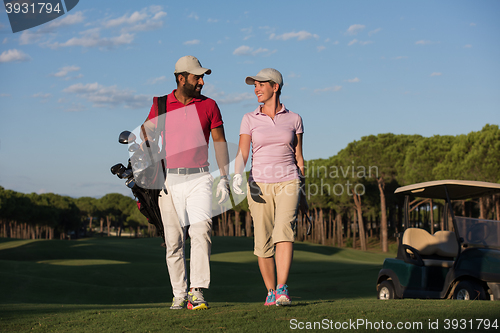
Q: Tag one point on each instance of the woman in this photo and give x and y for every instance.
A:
(275, 134)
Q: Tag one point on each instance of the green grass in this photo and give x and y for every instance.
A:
(122, 285)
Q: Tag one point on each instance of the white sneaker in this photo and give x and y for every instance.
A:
(196, 300)
(178, 303)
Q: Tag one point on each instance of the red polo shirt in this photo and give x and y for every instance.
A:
(187, 130)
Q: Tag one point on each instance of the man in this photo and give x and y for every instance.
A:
(186, 204)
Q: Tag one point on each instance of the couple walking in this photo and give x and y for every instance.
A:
(275, 136)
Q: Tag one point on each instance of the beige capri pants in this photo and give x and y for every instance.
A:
(274, 208)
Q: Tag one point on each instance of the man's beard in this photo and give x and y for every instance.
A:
(190, 90)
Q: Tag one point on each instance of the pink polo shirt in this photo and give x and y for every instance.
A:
(273, 145)
(187, 130)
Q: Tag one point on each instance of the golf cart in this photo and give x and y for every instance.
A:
(460, 263)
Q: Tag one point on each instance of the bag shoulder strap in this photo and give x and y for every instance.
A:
(161, 106)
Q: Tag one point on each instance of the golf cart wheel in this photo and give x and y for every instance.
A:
(386, 290)
(468, 290)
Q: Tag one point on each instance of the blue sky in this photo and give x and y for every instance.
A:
(351, 68)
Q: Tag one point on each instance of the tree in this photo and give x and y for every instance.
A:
(474, 156)
(112, 208)
(422, 158)
(380, 158)
(88, 207)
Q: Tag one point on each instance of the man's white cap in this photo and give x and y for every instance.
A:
(267, 74)
(191, 65)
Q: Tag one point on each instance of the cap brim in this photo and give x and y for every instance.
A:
(201, 71)
(251, 79)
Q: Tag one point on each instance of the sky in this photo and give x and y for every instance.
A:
(350, 69)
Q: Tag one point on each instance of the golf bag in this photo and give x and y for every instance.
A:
(147, 184)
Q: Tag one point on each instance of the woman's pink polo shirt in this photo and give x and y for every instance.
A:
(273, 144)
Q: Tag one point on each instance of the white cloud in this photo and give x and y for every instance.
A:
(159, 15)
(5, 95)
(109, 97)
(5, 40)
(14, 55)
(468, 46)
(353, 80)
(355, 29)
(194, 16)
(400, 57)
(301, 35)
(147, 26)
(134, 18)
(210, 20)
(192, 42)
(156, 80)
(41, 95)
(373, 32)
(155, 8)
(234, 98)
(473, 24)
(92, 38)
(354, 41)
(222, 98)
(423, 42)
(260, 50)
(75, 107)
(64, 71)
(143, 20)
(29, 37)
(245, 50)
(68, 19)
(436, 74)
(328, 89)
(321, 48)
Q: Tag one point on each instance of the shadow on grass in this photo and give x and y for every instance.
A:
(120, 272)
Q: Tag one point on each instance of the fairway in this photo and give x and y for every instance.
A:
(122, 285)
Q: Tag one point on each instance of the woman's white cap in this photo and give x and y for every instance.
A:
(267, 74)
(191, 65)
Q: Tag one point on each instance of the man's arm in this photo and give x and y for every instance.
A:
(147, 130)
(221, 153)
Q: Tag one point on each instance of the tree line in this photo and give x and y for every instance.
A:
(350, 194)
(50, 216)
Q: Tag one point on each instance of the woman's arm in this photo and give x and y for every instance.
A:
(243, 152)
(298, 153)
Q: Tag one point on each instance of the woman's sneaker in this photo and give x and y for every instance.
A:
(271, 298)
(282, 297)
(178, 303)
(196, 300)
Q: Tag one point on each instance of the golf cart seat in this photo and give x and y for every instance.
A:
(435, 250)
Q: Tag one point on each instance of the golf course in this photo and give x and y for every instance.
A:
(111, 284)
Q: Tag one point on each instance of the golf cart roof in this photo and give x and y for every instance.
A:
(457, 189)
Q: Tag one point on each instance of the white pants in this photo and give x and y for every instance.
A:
(187, 209)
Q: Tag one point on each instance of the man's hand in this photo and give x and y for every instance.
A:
(223, 189)
(237, 180)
